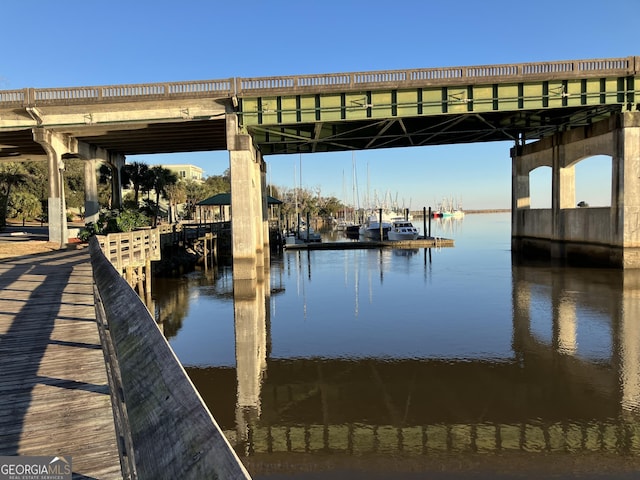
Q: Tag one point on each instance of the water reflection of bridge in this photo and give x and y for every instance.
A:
(335, 406)
(549, 397)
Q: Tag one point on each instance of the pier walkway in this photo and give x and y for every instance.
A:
(54, 393)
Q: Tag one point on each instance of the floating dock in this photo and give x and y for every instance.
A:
(428, 242)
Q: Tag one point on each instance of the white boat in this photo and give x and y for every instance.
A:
(402, 230)
(371, 229)
(308, 235)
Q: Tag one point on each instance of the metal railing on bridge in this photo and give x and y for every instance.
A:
(255, 86)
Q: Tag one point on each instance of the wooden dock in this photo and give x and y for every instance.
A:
(54, 393)
(429, 242)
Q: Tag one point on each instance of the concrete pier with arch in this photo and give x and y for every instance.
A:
(607, 236)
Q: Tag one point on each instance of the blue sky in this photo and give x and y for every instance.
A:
(61, 43)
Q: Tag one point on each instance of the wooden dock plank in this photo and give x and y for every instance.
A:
(54, 393)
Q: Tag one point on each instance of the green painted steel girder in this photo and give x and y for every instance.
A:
(431, 115)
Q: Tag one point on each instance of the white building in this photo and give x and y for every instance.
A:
(186, 172)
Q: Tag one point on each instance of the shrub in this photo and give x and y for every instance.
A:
(114, 221)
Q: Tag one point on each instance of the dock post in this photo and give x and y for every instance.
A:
(205, 252)
(147, 276)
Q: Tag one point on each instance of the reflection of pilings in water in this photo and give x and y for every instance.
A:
(250, 307)
(622, 306)
(565, 323)
(482, 438)
(564, 356)
(628, 337)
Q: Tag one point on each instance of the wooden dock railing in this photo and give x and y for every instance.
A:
(131, 254)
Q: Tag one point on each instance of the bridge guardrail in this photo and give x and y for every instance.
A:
(254, 86)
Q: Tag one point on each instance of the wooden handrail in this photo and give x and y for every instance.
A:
(131, 249)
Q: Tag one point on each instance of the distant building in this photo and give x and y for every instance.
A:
(186, 172)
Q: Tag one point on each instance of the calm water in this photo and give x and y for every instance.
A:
(441, 363)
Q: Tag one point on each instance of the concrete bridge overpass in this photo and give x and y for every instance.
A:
(255, 117)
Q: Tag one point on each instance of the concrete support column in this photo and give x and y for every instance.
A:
(627, 160)
(563, 194)
(246, 186)
(56, 146)
(520, 192)
(258, 200)
(266, 248)
(91, 203)
(92, 156)
(117, 162)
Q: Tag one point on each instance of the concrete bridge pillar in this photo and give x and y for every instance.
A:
(625, 203)
(92, 156)
(520, 192)
(266, 249)
(246, 203)
(117, 161)
(563, 194)
(57, 146)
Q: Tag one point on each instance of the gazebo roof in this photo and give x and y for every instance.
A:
(225, 199)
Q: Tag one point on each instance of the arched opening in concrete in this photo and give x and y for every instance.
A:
(593, 181)
(540, 187)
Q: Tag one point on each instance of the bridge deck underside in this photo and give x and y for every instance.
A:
(443, 129)
(173, 137)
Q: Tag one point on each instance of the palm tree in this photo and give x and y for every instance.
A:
(135, 174)
(11, 175)
(161, 178)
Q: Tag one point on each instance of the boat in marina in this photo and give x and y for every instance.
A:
(447, 208)
(302, 234)
(308, 234)
(373, 229)
(402, 230)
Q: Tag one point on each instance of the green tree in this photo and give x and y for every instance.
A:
(215, 184)
(176, 194)
(329, 206)
(74, 184)
(105, 179)
(195, 192)
(24, 205)
(11, 175)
